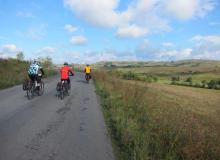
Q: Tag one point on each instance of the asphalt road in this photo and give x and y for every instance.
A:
(47, 128)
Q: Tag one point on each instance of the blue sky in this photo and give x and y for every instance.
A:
(87, 31)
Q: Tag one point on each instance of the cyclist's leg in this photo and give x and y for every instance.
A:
(68, 80)
(66, 85)
(63, 82)
(38, 78)
(32, 78)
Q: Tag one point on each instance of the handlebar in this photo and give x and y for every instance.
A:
(71, 74)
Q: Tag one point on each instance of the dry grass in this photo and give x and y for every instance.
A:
(157, 121)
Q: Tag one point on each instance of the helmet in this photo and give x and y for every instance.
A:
(36, 62)
(65, 63)
(87, 64)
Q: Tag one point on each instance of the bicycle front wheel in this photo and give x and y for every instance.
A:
(29, 91)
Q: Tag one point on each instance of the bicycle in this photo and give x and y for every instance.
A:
(33, 88)
(87, 77)
(63, 88)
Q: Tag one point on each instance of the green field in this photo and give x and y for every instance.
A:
(198, 70)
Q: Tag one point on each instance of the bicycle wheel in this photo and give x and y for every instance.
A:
(62, 94)
(41, 89)
(62, 91)
(29, 90)
(69, 86)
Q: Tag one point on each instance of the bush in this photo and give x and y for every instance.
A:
(189, 79)
(175, 79)
(212, 84)
(198, 85)
(139, 77)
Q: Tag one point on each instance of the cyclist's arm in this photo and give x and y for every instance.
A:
(42, 71)
(70, 71)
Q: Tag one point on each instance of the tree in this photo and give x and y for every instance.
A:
(175, 78)
(20, 56)
(46, 62)
(212, 84)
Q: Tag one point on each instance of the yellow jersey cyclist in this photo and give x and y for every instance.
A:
(88, 72)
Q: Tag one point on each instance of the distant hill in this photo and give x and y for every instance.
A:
(189, 63)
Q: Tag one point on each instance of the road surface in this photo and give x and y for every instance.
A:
(47, 128)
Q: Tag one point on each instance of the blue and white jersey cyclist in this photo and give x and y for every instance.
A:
(35, 72)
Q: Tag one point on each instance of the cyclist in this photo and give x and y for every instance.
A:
(35, 72)
(88, 71)
(64, 73)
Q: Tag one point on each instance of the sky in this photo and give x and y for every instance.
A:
(88, 31)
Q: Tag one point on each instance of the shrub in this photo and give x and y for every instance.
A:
(189, 79)
(175, 78)
(212, 84)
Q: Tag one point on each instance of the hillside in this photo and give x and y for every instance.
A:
(137, 64)
(158, 120)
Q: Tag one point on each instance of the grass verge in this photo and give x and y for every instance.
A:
(150, 123)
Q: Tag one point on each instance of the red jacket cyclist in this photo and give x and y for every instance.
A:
(64, 73)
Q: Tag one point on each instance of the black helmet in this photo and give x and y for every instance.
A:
(36, 62)
(65, 63)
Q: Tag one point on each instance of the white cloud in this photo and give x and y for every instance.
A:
(214, 23)
(78, 40)
(98, 12)
(143, 46)
(131, 31)
(141, 16)
(92, 57)
(175, 54)
(211, 39)
(188, 9)
(25, 14)
(167, 44)
(70, 28)
(206, 46)
(47, 50)
(9, 50)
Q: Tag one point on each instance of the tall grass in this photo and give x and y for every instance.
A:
(143, 130)
(14, 72)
